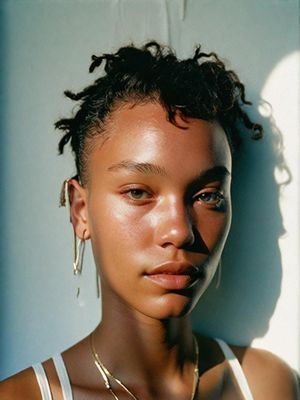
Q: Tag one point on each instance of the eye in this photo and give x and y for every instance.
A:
(211, 198)
(137, 194)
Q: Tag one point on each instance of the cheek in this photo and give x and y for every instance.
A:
(116, 231)
(213, 228)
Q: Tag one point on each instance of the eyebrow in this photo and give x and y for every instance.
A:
(211, 174)
(215, 173)
(141, 167)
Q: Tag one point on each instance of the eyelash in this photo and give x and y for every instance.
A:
(130, 191)
(218, 200)
(139, 195)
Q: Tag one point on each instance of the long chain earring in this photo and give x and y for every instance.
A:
(79, 247)
(79, 244)
(219, 274)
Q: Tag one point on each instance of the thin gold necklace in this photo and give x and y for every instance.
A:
(107, 375)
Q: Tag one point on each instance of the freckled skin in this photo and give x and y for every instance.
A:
(128, 237)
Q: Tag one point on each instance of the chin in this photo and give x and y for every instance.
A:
(172, 305)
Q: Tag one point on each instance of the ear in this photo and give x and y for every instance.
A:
(78, 209)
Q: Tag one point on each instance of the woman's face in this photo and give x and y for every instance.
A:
(157, 209)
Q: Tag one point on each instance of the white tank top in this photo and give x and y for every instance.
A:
(62, 375)
(66, 386)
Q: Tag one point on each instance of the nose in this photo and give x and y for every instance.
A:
(175, 225)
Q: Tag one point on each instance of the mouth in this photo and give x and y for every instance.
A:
(174, 275)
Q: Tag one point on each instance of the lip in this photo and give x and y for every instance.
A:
(174, 275)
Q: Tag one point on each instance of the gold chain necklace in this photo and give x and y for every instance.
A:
(107, 375)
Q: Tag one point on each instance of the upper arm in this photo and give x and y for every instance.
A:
(268, 376)
(20, 386)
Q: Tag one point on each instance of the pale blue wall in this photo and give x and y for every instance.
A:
(46, 48)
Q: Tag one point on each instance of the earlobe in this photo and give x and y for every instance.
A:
(78, 209)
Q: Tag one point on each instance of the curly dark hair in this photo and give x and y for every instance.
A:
(198, 87)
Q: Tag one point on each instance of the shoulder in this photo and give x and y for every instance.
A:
(25, 384)
(20, 386)
(268, 376)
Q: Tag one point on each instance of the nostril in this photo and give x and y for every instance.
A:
(178, 236)
(175, 225)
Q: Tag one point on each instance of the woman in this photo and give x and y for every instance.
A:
(153, 141)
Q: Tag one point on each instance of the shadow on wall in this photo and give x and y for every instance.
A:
(251, 263)
(240, 310)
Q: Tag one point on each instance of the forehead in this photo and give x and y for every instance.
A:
(142, 133)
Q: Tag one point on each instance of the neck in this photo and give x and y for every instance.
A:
(132, 344)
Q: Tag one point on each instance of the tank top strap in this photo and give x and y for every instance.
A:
(42, 380)
(236, 369)
(63, 377)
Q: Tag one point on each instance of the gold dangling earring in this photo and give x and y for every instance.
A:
(79, 247)
(79, 244)
(219, 274)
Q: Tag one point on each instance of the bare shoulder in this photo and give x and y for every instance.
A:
(20, 386)
(269, 377)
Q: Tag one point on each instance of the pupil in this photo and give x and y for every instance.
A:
(137, 193)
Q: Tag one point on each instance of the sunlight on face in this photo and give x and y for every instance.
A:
(158, 209)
